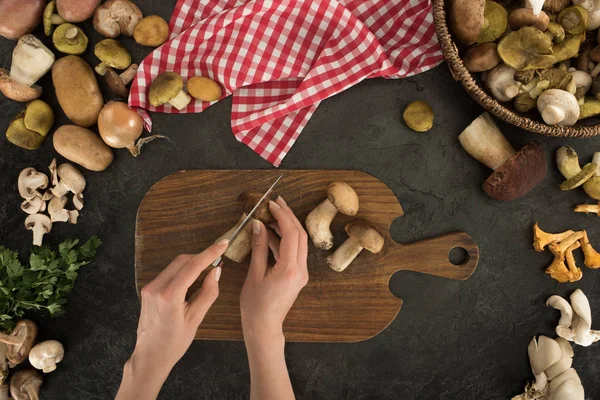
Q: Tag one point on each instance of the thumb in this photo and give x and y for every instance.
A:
(260, 249)
(205, 297)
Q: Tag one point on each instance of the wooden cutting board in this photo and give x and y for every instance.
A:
(185, 212)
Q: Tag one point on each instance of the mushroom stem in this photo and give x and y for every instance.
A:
(181, 100)
(587, 208)
(239, 249)
(135, 149)
(592, 258)
(553, 114)
(128, 75)
(71, 35)
(101, 68)
(483, 141)
(38, 234)
(344, 255)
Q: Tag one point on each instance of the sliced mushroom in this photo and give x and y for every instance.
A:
(25, 385)
(46, 355)
(40, 224)
(542, 239)
(362, 235)
(78, 201)
(33, 206)
(56, 209)
(501, 83)
(340, 198)
(568, 165)
(19, 342)
(116, 17)
(71, 180)
(30, 180)
(168, 88)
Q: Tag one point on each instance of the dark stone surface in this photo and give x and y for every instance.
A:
(451, 340)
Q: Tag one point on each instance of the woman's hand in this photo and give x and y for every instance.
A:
(168, 322)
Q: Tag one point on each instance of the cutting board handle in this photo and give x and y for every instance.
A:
(431, 256)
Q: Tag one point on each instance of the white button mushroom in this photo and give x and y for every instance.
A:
(362, 235)
(40, 224)
(33, 206)
(71, 180)
(558, 107)
(340, 198)
(30, 180)
(46, 355)
(501, 83)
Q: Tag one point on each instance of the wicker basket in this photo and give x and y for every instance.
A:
(463, 76)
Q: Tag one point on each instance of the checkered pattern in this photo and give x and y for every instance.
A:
(280, 59)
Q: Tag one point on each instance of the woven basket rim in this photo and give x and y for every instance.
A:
(462, 75)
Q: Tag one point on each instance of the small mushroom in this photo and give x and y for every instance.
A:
(30, 180)
(19, 342)
(26, 384)
(558, 107)
(70, 39)
(592, 185)
(563, 268)
(515, 173)
(418, 116)
(593, 9)
(30, 61)
(51, 18)
(592, 258)
(542, 239)
(116, 17)
(568, 165)
(33, 206)
(30, 127)
(362, 235)
(111, 54)
(76, 10)
(20, 17)
(495, 22)
(46, 355)
(556, 32)
(563, 329)
(203, 88)
(543, 353)
(481, 57)
(117, 83)
(168, 88)
(527, 48)
(151, 31)
(582, 321)
(71, 180)
(40, 224)
(521, 17)
(501, 83)
(467, 19)
(574, 19)
(340, 198)
(565, 362)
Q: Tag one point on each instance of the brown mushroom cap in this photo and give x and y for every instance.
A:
(19, 17)
(482, 57)
(518, 175)
(263, 214)
(76, 10)
(166, 86)
(115, 83)
(16, 91)
(466, 19)
(524, 17)
(25, 384)
(26, 329)
(365, 234)
(343, 197)
(116, 17)
(151, 31)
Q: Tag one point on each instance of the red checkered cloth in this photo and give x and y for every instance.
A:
(280, 59)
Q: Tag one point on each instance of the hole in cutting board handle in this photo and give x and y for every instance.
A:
(458, 256)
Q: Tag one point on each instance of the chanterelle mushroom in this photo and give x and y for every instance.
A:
(30, 61)
(46, 355)
(30, 180)
(362, 235)
(588, 208)
(592, 258)
(568, 165)
(25, 385)
(116, 17)
(542, 239)
(563, 268)
(20, 341)
(71, 180)
(40, 224)
(481, 57)
(168, 88)
(515, 173)
(563, 329)
(340, 198)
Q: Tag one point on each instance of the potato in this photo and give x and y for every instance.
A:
(466, 19)
(77, 90)
(83, 147)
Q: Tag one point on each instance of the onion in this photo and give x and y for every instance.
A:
(120, 127)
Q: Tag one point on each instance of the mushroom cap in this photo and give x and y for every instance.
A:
(113, 53)
(151, 31)
(481, 57)
(418, 116)
(574, 19)
(495, 22)
(117, 122)
(117, 17)
(524, 17)
(38, 117)
(343, 197)
(26, 378)
(263, 214)
(364, 233)
(71, 177)
(527, 48)
(518, 175)
(20, 17)
(466, 19)
(35, 219)
(115, 83)
(166, 86)
(18, 134)
(49, 350)
(16, 354)
(69, 45)
(16, 91)
(203, 88)
(76, 10)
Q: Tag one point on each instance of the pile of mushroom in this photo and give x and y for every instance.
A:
(562, 245)
(533, 58)
(64, 179)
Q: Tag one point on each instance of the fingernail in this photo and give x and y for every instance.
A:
(274, 205)
(217, 273)
(223, 242)
(280, 199)
(256, 226)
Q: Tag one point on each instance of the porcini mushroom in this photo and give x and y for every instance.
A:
(481, 57)
(168, 88)
(20, 17)
(151, 31)
(46, 355)
(501, 83)
(26, 384)
(418, 115)
(70, 39)
(521, 17)
(340, 198)
(117, 83)
(563, 268)
(111, 54)
(515, 173)
(30, 61)
(466, 19)
(29, 181)
(40, 224)
(592, 258)
(51, 18)
(362, 235)
(568, 165)
(563, 329)
(20, 341)
(542, 239)
(121, 127)
(76, 10)
(116, 17)
(592, 185)
(558, 107)
(71, 180)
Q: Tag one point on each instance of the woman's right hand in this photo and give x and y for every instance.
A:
(269, 292)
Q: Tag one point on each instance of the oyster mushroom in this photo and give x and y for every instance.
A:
(566, 386)
(467, 19)
(116, 17)
(111, 54)
(481, 57)
(521, 17)
(565, 362)
(495, 22)
(568, 165)
(46, 355)
(19, 342)
(542, 239)
(563, 329)
(515, 173)
(20, 17)
(40, 224)
(29, 128)
(558, 107)
(26, 384)
(151, 31)
(362, 235)
(574, 19)
(69, 39)
(592, 185)
(527, 48)
(168, 88)
(76, 10)
(30, 180)
(501, 83)
(30, 61)
(582, 321)
(340, 198)
(543, 353)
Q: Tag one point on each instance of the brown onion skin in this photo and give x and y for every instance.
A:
(119, 126)
(20, 17)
